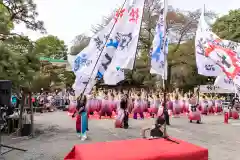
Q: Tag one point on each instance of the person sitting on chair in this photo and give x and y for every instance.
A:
(157, 130)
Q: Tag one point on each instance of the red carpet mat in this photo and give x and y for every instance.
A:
(138, 149)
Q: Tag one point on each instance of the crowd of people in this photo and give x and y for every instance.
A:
(44, 100)
(121, 104)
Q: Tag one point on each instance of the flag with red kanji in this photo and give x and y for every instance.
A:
(134, 15)
(225, 58)
(119, 14)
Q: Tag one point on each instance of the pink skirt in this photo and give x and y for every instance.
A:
(235, 115)
(72, 108)
(217, 109)
(196, 116)
(177, 111)
(153, 110)
(137, 109)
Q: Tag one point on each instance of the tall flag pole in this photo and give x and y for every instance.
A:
(90, 59)
(111, 50)
(128, 34)
(165, 111)
(160, 45)
(159, 53)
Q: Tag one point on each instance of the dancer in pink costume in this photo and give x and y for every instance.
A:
(88, 107)
(144, 102)
(204, 105)
(155, 104)
(210, 105)
(73, 104)
(176, 106)
(105, 108)
(217, 106)
(112, 103)
(233, 113)
(137, 107)
(194, 113)
(122, 116)
(186, 104)
(130, 103)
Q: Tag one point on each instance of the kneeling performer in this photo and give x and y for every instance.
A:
(157, 130)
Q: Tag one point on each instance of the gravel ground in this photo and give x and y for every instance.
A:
(56, 136)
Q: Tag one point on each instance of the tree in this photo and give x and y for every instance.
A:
(22, 11)
(18, 50)
(79, 43)
(14, 57)
(228, 26)
(51, 47)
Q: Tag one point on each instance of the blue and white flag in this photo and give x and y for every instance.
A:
(95, 59)
(158, 62)
(128, 35)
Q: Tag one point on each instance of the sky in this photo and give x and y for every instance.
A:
(67, 19)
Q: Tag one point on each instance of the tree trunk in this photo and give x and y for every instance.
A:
(20, 124)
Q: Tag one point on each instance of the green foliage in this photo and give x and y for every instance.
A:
(18, 61)
(228, 26)
(51, 47)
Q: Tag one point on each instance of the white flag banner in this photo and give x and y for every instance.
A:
(205, 66)
(224, 82)
(127, 35)
(96, 57)
(221, 52)
(213, 89)
(81, 83)
(158, 63)
(114, 77)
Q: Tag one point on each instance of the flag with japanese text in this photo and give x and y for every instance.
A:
(224, 82)
(113, 77)
(95, 58)
(214, 49)
(205, 66)
(127, 35)
(83, 85)
(158, 63)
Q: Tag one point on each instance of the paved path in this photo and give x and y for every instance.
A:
(57, 136)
